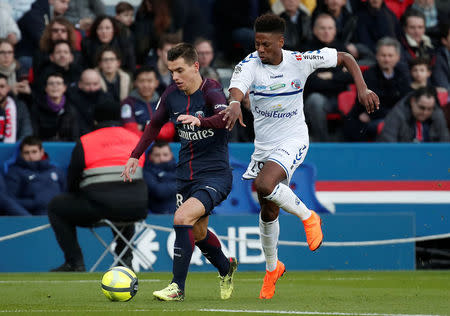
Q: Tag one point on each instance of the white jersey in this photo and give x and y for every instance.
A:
(276, 94)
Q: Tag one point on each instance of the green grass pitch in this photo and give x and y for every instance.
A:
(298, 293)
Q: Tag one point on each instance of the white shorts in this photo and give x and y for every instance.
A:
(288, 155)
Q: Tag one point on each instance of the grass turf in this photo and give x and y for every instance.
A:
(324, 293)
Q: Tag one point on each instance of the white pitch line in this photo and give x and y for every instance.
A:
(69, 281)
(215, 311)
(307, 313)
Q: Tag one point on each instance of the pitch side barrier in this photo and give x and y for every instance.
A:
(364, 241)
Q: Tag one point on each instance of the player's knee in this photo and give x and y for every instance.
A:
(262, 187)
(181, 218)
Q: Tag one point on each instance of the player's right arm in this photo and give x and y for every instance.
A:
(151, 131)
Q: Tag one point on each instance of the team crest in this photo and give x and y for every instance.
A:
(199, 114)
(54, 176)
(296, 84)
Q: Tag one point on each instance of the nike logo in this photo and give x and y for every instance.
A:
(176, 113)
(211, 188)
(31, 177)
(139, 112)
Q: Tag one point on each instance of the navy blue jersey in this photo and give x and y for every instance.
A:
(204, 150)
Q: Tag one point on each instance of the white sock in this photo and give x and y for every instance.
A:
(269, 232)
(283, 196)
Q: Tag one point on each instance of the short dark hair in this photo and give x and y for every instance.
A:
(107, 48)
(144, 69)
(411, 12)
(54, 74)
(123, 6)
(427, 91)
(419, 61)
(2, 76)
(30, 141)
(183, 50)
(158, 144)
(59, 42)
(269, 23)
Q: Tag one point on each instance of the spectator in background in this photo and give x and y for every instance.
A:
(390, 81)
(95, 189)
(61, 61)
(414, 42)
(85, 96)
(420, 73)
(53, 116)
(298, 24)
(418, 119)
(32, 25)
(345, 21)
(434, 17)
(11, 69)
(8, 205)
(32, 180)
(125, 18)
(376, 21)
(8, 26)
(14, 116)
(138, 108)
(325, 84)
(166, 43)
(114, 81)
(59, 29)
(124, 13)
(105, 32)
(83, 12)
(159, 174)
(154, 18)
(205, 52)
(441, 70)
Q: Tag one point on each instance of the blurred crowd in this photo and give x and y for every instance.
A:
(59, 59)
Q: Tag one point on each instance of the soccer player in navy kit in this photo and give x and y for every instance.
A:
(204, 176)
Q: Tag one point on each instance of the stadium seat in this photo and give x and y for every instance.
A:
(303, 183)
(380, 127)
(240, 200)
(140, 228)
(443, 97)
(346, 101)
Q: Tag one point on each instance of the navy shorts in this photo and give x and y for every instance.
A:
(210, 191)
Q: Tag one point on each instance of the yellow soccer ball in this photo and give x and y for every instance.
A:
(119, 284)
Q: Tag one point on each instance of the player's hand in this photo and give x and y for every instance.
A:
(369, 99)
(130, 169)
(189, 119)
(232, 113)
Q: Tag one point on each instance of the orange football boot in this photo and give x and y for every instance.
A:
(268, 287)
(313, 231)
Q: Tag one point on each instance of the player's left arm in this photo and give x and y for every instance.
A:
(366, 97)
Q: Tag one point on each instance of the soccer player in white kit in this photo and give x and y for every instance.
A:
(274, 79)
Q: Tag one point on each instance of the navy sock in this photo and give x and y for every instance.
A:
(182, 253)
(212, 250)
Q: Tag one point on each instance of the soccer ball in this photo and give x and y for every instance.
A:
(119, 284)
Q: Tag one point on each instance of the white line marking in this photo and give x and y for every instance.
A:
(306, 313)
(68, 281)
(213, 311)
